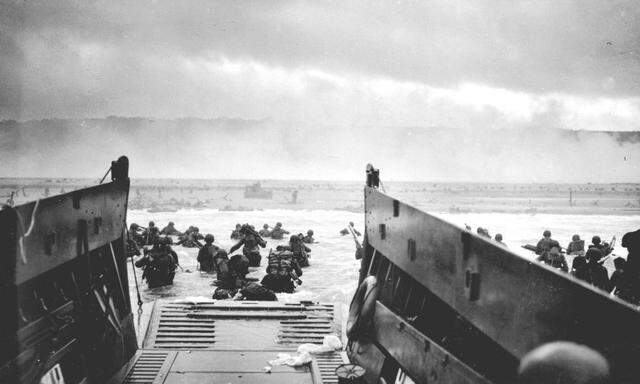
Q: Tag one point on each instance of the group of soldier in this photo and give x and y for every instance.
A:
(284, 265)
(588, 266)
(284, 268)
(484, 232)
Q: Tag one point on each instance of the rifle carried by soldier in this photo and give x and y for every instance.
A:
(359, 249)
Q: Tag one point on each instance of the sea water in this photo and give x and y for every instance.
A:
(333, 274)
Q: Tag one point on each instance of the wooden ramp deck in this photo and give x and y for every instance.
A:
(232, 342)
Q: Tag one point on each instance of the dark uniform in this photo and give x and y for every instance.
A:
(251, 242)
(254, 291)
(230, 272)
(278, 232)
(629, 288)
(265, 232)
(225, 278)
(206, 254)
(236, 234)
(603, 247)
(597, 273)
(151, 235)
(555, 259)
(135, 234)
(299, 250)
(617, 277)
(134, 241)
(576, 246)
(159, 265)
(309, 238)
(546, 243)
(170, 230)
(132, 248)
(579, 268)
(191, 239)
(282, 272)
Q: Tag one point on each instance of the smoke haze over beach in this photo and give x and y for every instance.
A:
(246, 149)
(452, 91)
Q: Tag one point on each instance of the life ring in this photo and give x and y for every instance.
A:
(362, 308)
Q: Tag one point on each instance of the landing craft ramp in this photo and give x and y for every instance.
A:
(454, 307)
(232, 342)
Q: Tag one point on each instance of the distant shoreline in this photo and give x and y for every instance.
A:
(167, 195)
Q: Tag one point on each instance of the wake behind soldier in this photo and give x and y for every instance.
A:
(206, 254)
(159, 264)
(251, 241)
(278, 232)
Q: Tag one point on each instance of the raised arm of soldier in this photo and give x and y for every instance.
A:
(237, 246)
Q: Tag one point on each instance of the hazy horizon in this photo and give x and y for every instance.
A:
(439, 90)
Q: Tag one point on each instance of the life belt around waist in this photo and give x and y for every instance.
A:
(362, 308)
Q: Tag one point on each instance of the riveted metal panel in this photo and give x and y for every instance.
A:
(518, 303)
(46, 230)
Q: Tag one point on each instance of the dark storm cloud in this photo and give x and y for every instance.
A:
(79, 57)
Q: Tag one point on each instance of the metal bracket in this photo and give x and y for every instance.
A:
(472, 285)
(411, 249)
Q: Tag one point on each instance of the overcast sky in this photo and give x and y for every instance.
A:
(490, 64)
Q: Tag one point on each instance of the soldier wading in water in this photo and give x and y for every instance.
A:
(251, 241)
(159, 264)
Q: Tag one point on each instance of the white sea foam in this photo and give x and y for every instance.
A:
(332, 276)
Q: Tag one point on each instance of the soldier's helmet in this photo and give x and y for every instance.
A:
(546, 233)
(265, 226)
(619, 262)
(278, 224)
(196, 229)
(593, 254)
(134, 226)
(310, 232)
(575, 237)
(171, 223)
(221, 254)
(151, 224)
(596, 240)
(208, 238)
(293, 238)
